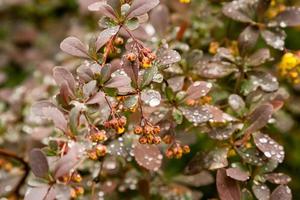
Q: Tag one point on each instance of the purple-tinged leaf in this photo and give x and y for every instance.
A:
(265, 81)
(131, 69)
(38, 163)
(289, 17)
(74, 47)
(151, 97)
(74, 118)
(274, 38)
(140, 7)
(222, 133)
(261, 191)
(238, 10)
(259, 57)
(216, 158)
(62, 75)
(89, 88)
(176, 83)
(282, 192)
(248, 39)
(198, 89)
(278, 178)
(40, 193)
(237, 174)
(120, 82)
(201, 179)
(217, 115)
(168, 56)
(98, 98)
(105, 36)
(85, 73)
(56, 116)
(103, 8)
(259, 118)
(195, 165)
(269, 147)
(160, 18)
(236, 103)
(228, 189)
(148, 156)
(214, 70)
(69, 161)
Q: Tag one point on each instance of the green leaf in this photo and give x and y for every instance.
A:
(132, 24)
(148, 76)
(177, 115)
(169, 94)
(111, 91)
(131, 102)
(74, 119)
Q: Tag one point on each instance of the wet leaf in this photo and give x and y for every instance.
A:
(278, 178)
(151, 97)
(237, 174)
(274, 38)
(159, 18)
(251, 156)
(176, 83)
(38, 163)
(248, 39)
(132, 24)
(74, 119)
(198, 89)
(148, 156)
(89, 88)
(237, 10)
(201, 179)
(228, 189)
(269, 147)
(265, 81)
(177, 116)
(140, 7)
(259, 118)
(222, 133)
(168, 56)
(236, 103)
(74, 47)
(103, 8)
(106, 72)
(105, 36)
(213, 70)
(216, 158)
(261, 191)
(259, 57)
(45, 193)
(148, 76)
(289, 17)
(61, 76)
(282, 192)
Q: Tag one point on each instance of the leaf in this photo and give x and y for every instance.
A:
(222, 133)
(216, 158)
(74, 47)
(177, 116)
(289, 17)
(228, 189)
(38, 163)
(261, 191)
(259, 118)
(120, 82)
(277, 178)
(89, 88)
(105, 36)
(167, 57)
(74, 119)
(237, 10)
(56, 116)
(274, 39)
(248, 39)
(45, 193)
(265, 81)
(132, 23)
(260, 57)
(148, 76)
(62, 75)
(282, 192)
(213, 70)
(237, 174)
(236, 103)
(198, 89)
(85, 73)
(103, 8)
(68, 161)
(151, 97)
(246, 195)
(251, 156)
(160, 19)
(196, 165)
(148, 156)
(140, 7)
(106, 72)
(176, 83)
(201, 179)
(269, 147)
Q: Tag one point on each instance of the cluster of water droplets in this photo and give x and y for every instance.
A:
(151, 97)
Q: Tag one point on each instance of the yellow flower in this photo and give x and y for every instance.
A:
(288, 62)
(184, 1)
(121, 130)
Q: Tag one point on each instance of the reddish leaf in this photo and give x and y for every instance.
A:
(228, 188)
(248, 38)
(160, 19)
(62, 75)
(168, 56)
(282, 192)
(278, 178)
(274, 39)
(289, 17)
(269, 147)
(259, 57)
(148, 156)
(140, 7)
(74, 47)
(198, 89)
(105, 36)
(44, 193)
(38, 163)
(103, 8)
(237, 174)
(237, 10)
(261, 191)
(176, 83)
